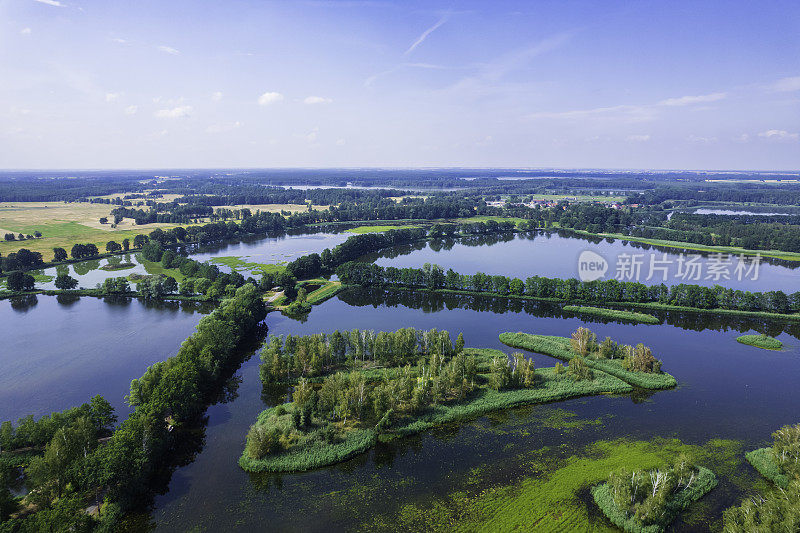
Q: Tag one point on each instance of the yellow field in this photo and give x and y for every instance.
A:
(63, 225)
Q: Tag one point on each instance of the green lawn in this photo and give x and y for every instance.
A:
(238, 264)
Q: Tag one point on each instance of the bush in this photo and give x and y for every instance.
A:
(761, 341)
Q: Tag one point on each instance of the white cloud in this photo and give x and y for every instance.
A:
(25, 31)
(310, 100)
(779, 135)
(55, 3)
(169, 50)
(688, 100)
(638, 138)
(216, 96)
(787, 84)
(221, 128)
(269, 98)
(112, 97)
(340, 142)
(701, 140)
(182, 111)
(312, 135)
(131, 110)
(743, 138)
(119, 40)
(425, 34)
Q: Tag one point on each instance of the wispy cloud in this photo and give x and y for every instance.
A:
(311, 100)
(54, 3)
(630, 112)
(168, 50)
(779, 135)
(701, 140)
(426, 33)
(182, 111)
(637, 138)
(369, 81)
(25, 31)
(131, 110)
(689, 100)
(269, 98)
(222, 128)
(119, 40)
(786, 85)
(216, 96)
(112, 97)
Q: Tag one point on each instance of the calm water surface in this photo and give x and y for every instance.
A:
(57, 353)
(556, 255)
(727, 390)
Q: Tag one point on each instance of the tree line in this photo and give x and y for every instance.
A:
(433, 277)
(170, 396)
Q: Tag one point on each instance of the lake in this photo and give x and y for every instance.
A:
(555, 255)
(58, 352)
(726, 391)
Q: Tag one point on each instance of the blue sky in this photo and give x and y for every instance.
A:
(112, 84)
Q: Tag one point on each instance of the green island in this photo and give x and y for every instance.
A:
(761, 341)
(615, 314)
(777, 509)
(647, 501)
(633, 364)
(354, 388)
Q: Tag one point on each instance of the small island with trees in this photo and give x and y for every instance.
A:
(354, 388)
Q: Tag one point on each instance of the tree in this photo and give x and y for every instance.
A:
(170, 285)
(583, 341)
(20, 281)
(66, 282)
(126, 244)
(113, 246)
(59, 254)
(104, 220)
(139, 241)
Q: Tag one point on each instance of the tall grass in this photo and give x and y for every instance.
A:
(615, 314)
(559, 348)
(761, 341)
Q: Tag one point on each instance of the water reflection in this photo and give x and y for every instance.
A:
(555, 254)
(430, 302)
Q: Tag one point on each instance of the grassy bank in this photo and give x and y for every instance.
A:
(761, 341)
(763, 460)
(615, 314)
(706, 480)
(238, 264)
(559, 348)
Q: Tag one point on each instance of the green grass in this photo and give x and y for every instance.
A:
(763, 460)
(761, 341)
(705, 482)
(377, 229)
(559, 348)
(615, 314)
(117, 266)
(551, 497)
(157, 269)
(236, 263)
(550, 387)
(329, 290)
